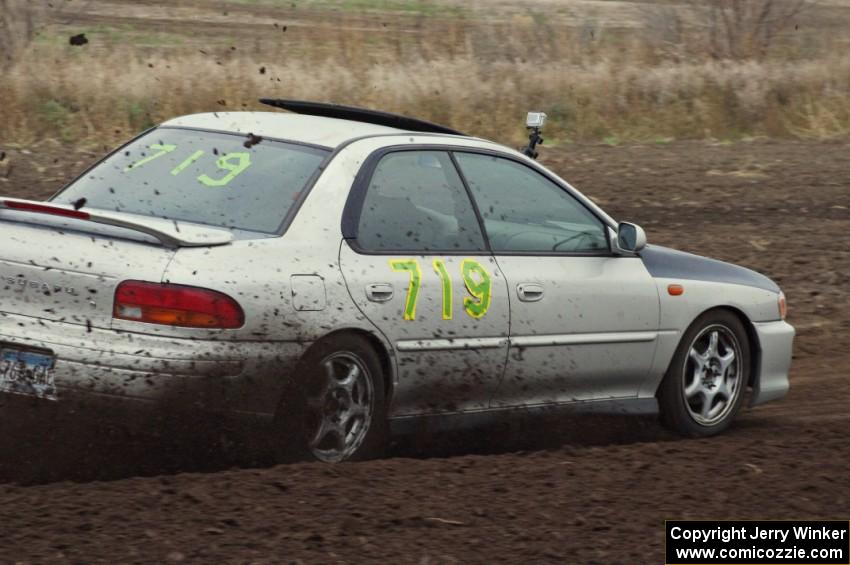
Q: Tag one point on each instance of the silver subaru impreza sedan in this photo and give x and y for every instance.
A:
(344, 273)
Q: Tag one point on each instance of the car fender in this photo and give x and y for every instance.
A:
(705, 284)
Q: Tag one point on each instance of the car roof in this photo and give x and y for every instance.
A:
(315, 130)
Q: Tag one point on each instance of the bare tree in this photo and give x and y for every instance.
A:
(745, 29)
(665, 30)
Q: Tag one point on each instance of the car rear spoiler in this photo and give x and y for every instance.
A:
(168, 232)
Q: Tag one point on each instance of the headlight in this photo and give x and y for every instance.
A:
(783, 306)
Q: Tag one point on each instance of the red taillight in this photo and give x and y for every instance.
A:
(45, 209)
(176, 305)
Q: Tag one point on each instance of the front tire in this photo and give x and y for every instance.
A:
(335, 407)
(704, 387)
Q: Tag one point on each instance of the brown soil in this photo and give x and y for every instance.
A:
(576, 490)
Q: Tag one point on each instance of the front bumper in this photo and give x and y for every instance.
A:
(775, 340)
(99, 364)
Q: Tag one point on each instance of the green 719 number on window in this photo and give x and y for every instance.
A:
(233, 163)
(476, 280)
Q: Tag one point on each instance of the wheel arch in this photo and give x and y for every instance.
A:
(752, 338)
(382, 350)
(673, 412)
(288, 442)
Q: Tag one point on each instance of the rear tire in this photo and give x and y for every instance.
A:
(704, 387)
(334, 408)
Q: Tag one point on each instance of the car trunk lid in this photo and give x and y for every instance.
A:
(65, 267)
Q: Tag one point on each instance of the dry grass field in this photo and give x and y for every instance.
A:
(604, 70)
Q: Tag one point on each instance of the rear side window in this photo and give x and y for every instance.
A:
(200, 177)
(523, 211)
(416, 201)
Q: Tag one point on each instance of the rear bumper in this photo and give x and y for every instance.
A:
(105, 365)
(775, 341)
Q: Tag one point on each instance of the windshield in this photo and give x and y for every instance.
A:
(219, 179)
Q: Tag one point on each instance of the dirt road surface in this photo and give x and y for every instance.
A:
(572, 490)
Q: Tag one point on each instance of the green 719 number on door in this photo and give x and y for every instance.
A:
(476, 280)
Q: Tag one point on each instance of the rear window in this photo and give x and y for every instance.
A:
(200, 177)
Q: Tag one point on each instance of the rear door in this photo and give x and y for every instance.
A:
(583, 322)
(416, 264)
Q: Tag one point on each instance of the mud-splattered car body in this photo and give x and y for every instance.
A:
(468, 313)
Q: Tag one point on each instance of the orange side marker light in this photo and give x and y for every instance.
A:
(675, 290)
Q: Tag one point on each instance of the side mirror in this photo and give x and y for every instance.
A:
(630, 237)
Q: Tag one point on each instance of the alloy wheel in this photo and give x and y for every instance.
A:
(340, 405)
(712, 375)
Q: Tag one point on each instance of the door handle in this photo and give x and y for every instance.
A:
(529, 292)
(379, 292)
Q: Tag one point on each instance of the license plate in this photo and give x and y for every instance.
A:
(26, 372)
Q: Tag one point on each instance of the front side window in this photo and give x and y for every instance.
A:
(200, 177)
(523, 211)
(416, 202)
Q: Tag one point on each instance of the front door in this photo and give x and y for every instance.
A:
(583, 321)
(417, 267)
